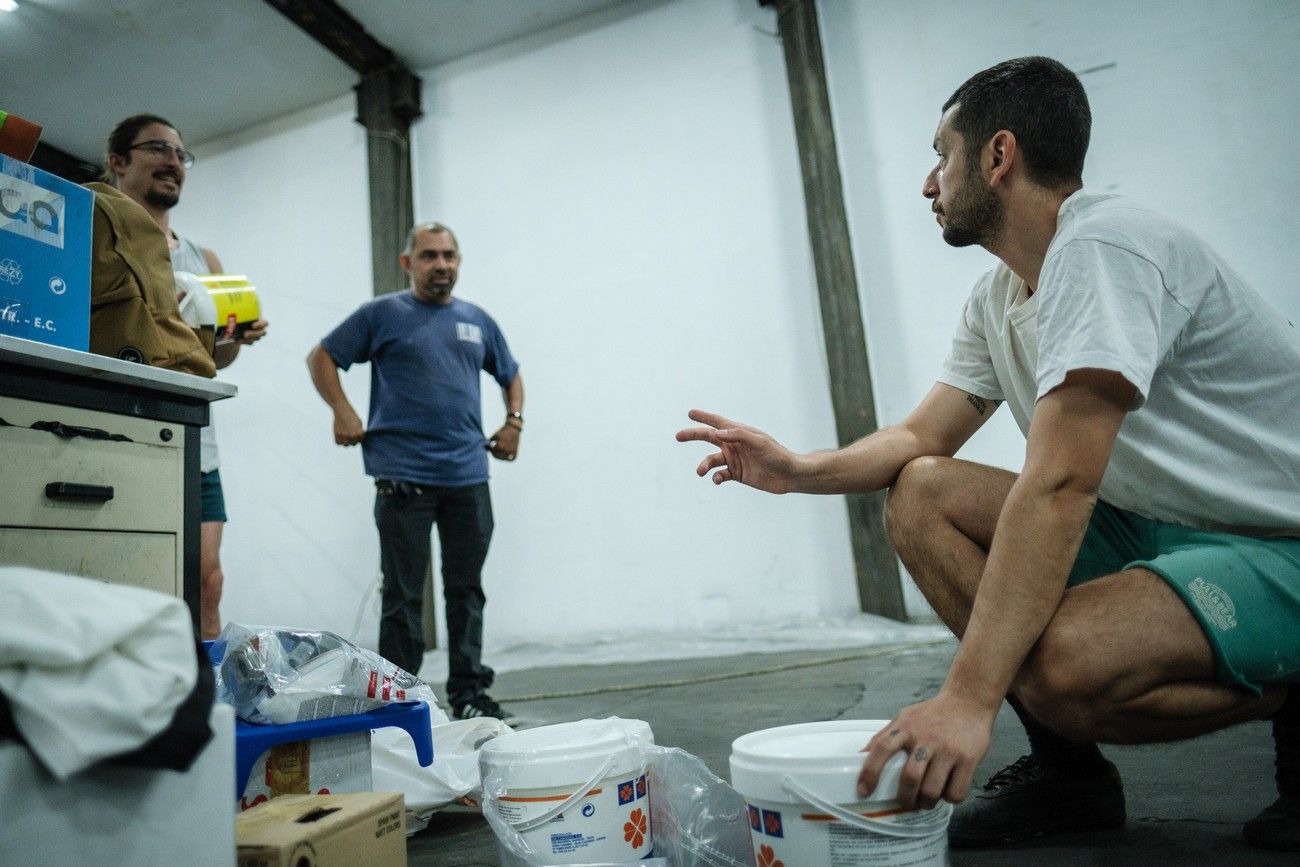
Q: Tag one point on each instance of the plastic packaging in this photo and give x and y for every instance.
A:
(453, 778)
(273, 675)
(196, 305)
(698, 819)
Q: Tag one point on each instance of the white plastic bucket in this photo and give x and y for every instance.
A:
(572, 793)
(800, 783)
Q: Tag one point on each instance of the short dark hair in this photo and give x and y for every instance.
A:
(119, 140)
(1039, 101)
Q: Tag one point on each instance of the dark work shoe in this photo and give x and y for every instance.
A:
(483, 705)
(1027, 799)
(1278, 827)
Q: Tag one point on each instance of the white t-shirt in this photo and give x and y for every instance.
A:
(1213, 437)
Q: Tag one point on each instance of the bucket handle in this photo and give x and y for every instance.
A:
(926, 829)
(538, 821)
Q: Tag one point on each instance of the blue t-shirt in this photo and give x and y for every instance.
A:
(425, 403)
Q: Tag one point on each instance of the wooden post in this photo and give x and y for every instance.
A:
(879, 588)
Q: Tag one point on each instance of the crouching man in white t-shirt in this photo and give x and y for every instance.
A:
(1139, 579)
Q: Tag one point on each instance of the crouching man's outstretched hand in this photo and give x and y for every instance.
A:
(747, 455)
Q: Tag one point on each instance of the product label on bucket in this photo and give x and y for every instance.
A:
(610, 824)
(563, 844)
(794, 838)
(851, 847)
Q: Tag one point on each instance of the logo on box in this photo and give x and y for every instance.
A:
(31, 211)
(45, 235)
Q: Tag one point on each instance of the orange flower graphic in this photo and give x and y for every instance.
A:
(634, 829)
(767, 858)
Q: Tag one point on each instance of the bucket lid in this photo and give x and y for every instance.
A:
(823, 757)
(565, 754)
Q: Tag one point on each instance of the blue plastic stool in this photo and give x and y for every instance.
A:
(251, 739)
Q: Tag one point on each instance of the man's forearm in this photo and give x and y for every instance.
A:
(1037, 539)
(870, 464)
(325, 376)
(513, 394)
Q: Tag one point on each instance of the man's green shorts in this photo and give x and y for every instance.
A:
(1244, 590)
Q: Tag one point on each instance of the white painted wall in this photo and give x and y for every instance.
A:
(628, 201)
(627, 196)
(287, 203)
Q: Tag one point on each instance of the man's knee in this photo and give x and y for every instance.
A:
(918, 482)
(1059, 687)
(912, 497)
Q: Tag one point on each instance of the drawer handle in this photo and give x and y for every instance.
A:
(68, 431)
(76, 491)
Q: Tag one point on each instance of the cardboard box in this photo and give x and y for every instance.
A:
(45, 228)
(324, 831)
(320, 766)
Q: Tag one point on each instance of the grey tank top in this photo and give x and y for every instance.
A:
(189, 257)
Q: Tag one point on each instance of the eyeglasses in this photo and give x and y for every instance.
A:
(162, 150)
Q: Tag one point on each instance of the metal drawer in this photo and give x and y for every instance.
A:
(145, 474)
(149, 560)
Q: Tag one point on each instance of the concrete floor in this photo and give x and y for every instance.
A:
(1186, 801)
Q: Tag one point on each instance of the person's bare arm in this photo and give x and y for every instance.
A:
(1036, 541)
(348, 429)
(505, 442)
(944, 420)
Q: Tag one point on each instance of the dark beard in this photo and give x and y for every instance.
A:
(975, 217)
(436, 289)
(166, 201)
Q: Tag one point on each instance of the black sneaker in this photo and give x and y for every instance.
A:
(483, 705)
(1278, 827)
(1028, 799)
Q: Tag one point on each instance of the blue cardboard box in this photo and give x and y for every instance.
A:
(45, 226)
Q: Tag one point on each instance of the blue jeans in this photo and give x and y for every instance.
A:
(405, 514)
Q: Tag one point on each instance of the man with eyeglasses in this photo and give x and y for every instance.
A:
(147, 161)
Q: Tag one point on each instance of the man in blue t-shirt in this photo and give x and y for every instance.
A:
(425, 449)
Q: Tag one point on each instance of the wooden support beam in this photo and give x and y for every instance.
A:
(387, 102)
(879, 587)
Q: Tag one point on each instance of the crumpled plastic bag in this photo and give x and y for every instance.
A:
(697, 819)
(276, 675)
(453, 778)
